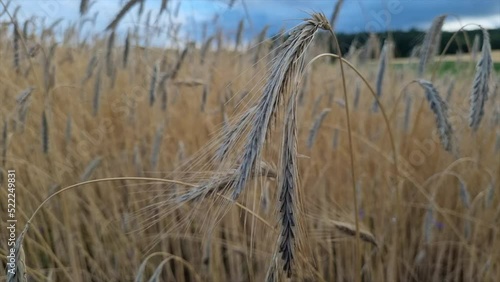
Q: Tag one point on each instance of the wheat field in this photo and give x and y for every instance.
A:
(124, 140)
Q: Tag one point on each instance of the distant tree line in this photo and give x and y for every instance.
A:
(406, 41)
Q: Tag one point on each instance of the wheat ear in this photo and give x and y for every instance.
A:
(440, 109)
(480, 86)
(287, 65)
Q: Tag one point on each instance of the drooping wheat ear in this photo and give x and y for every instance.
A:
(431, 43)
(285, 69)
(122, 13)
(480, 86)
(152, 84)
(178, 65)
(126, 49)
(440, 109)
(89, 170)
(288, 185)
(380, 74)
(239, 35)
(155, 152)
(97, 94)
(109, 54)
(204, 49)
(45, 133)
(315, 127)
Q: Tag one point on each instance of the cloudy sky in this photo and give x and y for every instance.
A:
(355, 16)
